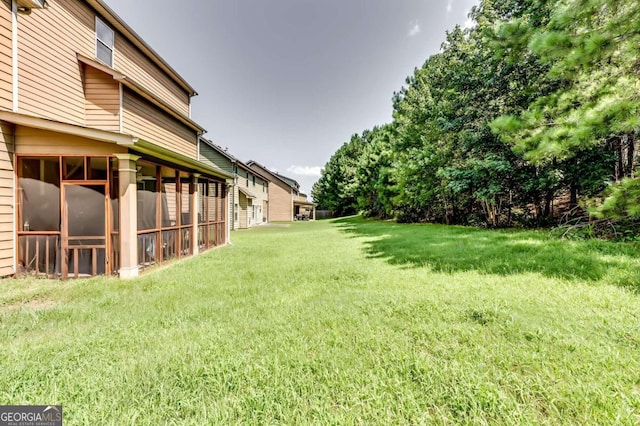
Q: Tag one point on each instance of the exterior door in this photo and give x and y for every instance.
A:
(84, 226)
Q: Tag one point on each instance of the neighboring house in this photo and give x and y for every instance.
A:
(249, 199)
(99, 172)
(252, 205)
(214, 156)
(286, 203)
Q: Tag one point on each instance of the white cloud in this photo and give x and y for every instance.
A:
(449, 6)
(305, 170)
(415, 30)
(469, 23)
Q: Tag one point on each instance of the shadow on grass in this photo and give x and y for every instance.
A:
(504, 252)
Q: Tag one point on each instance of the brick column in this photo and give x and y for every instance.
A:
(128, 215)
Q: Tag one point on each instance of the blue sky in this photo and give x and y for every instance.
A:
(286, 82)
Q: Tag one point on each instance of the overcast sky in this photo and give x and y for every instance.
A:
(286, 82)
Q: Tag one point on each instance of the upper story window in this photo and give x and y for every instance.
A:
(247, 183)
(254, 180)
(105, 39)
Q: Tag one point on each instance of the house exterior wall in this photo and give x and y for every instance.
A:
(143, 120)
(131, 62)
(211, 157)
(59, 80)
(281, 196)
(6, 57)
(243, 218)
(256, 190)
(50, 39)
(30, 141)
(235, 201)
(102, 100)
(49, 78)
(280, 203)
(7, 209)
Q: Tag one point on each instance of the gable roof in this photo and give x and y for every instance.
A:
(287, 181)
(292, 182)
(219, 150)
(224, 152)
(249, 169)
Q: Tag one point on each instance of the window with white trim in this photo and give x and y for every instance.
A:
(105, 39)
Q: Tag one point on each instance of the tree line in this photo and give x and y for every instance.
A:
(530, 114)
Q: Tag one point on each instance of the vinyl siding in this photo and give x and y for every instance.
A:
(102, 100)
(254, 190)
(50, 81)
(280, 204)
(261, 197)
(146, 122)
(7, 226)
(280, 197)
(211, 157)
(6, 57)
(231, 197)
(135, 65)
(50, 78)
(31, 141)
(243, 217)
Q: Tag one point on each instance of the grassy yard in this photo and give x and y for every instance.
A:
(343, 322)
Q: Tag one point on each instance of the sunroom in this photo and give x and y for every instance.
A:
(96, 208)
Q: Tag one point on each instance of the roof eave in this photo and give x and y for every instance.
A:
(66, 128)
(219, 150)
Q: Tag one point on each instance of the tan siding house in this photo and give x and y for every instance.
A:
(6, 57)
(145, 120)
(132, 62)
(286, 203)
(7, 209)
(249, 196)
(49, 39)
(99, 169)
(102, 100)
(252, 194)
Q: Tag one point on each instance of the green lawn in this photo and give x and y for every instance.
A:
(342, 322)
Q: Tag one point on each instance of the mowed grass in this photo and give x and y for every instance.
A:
(339, 322)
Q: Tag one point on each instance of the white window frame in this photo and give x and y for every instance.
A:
(98, 40)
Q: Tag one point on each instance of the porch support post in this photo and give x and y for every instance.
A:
(128, 215)
(195, 208)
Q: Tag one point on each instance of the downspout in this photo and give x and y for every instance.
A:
(14, 52)
(121, 94)
(14, 71)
